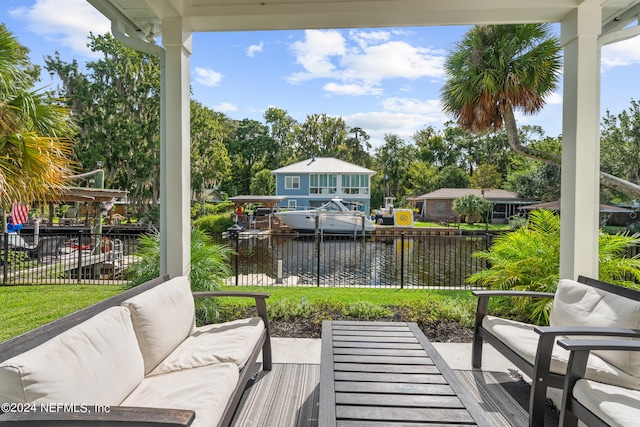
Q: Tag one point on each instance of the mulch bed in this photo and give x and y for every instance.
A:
(436, 331)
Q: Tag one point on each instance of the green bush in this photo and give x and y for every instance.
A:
(209, 268)
(528, 259)
(366, 310)
(214, 224)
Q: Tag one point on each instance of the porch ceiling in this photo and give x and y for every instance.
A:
(142, 18)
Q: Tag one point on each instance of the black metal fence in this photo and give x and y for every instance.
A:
(69, 257)
(407, 260)
(381, 260)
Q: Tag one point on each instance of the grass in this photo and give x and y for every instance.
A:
(26, 307)
(319, 304)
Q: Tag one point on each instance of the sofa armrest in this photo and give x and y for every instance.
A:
(113, 415)
(260, 298)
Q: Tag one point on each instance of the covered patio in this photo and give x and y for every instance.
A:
(586, 25)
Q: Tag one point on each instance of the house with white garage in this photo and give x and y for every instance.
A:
(315, 181)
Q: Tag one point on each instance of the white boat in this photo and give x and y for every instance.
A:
(333, 217)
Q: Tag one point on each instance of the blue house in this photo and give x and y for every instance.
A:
(315, 181)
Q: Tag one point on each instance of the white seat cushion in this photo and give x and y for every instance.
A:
(577, 304)
(96, 362)
(162, 317)
(223, 342)
(205, 390)
(617, 406)
(521, 338)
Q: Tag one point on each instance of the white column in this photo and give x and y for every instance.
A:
(175, 157)
(580, 189)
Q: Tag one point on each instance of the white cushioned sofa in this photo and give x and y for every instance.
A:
(586, 308)
(137, 359)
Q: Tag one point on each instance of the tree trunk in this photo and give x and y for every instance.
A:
(608, 180)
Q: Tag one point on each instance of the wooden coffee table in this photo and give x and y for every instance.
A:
(388, 373)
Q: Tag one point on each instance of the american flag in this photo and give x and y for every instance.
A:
(19, 213)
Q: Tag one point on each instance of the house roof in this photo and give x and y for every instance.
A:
(555, 206)
(267, 201)
(455, 193)
(323, 165)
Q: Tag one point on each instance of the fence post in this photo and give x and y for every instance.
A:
(318, 250)
(402, 260)
(79, 255)
(5, 261)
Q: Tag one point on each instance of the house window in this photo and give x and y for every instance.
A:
(323, 184)
(292, 204)
(441, 206)
(292, 182)
(355, 184)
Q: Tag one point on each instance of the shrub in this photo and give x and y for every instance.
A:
(529, 259)
(209, 267)
(213, 224)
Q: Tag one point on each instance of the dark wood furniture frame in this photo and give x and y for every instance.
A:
(539, 371)
(131, 416)
(571, 410)
(388, 373)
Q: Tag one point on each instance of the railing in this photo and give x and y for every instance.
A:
(71, 257)
(389, 260)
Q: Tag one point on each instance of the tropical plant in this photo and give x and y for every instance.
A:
(472, 207)
(36, 153)
(528, 259)
(497, 69)
(208, 269)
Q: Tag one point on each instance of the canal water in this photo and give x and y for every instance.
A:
(373, 261)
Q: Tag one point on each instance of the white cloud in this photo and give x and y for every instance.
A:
(352, 89)
(207, 76)
(412, 105)
(314, 54)
(254, 48)
(225, 106)
(68, 24)
(554, 99)
(621, 53)
(400, 117)
(366, 38)
(363, 61)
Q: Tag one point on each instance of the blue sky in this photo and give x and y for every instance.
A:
(384, 80)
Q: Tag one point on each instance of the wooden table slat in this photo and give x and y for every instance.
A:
(379, 352)
(368, 344)
(369, 367)
(373, 333)
(442, 415)
(397, 388)
(383, 359)
(398, 400)
(375, 339)
(397, 327)
(390, 377)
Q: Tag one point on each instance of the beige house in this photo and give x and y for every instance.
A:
(438, 205)
(585, 25)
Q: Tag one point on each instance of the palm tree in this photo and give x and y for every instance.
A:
(36, 153)
(497, 69)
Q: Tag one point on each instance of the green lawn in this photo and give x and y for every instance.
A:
(23, 308)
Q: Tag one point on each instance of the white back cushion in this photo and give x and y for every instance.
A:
(98, 361)
(577, 304)
(162, 317)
